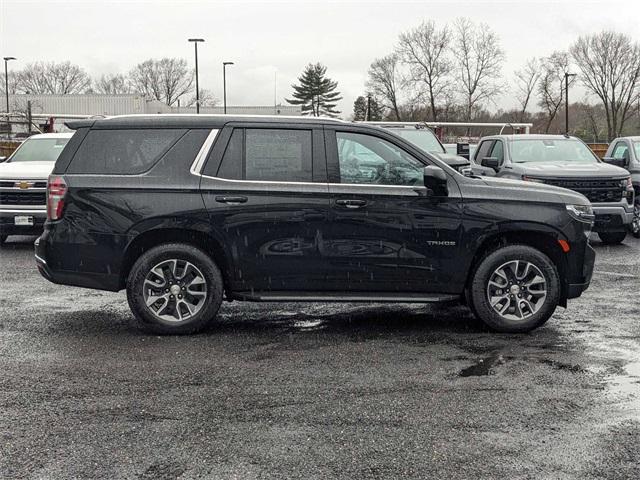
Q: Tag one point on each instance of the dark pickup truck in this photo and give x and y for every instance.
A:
(563, 161)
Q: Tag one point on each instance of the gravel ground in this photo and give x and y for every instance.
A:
(318, 390)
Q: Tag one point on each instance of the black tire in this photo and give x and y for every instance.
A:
(612, 238)
(634, 228)
(144, 316)
(480, 281)
(3, 238)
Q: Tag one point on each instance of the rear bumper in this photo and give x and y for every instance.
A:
(49, 267)
(8, 226)
(612, 218)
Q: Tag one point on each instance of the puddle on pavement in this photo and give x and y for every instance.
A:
(485, 366)
(564, 366)
(313, 324)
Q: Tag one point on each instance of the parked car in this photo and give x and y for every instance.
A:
(23, 184)
(427, 141)
(624, 152)
(567, 162)
(183, 211)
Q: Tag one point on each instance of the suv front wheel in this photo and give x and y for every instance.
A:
(515, 289)
(174, 289)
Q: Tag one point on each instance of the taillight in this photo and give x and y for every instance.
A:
(56, 191)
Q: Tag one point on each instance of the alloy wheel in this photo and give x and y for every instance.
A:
(516, 290)
(174, 290)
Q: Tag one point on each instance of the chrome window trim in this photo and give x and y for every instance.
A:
(198, 162)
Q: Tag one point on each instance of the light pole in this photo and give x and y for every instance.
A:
(566, 100)
(224, 84)
(6, 90)
(195, 44)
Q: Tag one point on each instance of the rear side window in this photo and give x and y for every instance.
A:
(278, 155)
(122, 152)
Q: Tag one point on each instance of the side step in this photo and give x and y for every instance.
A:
(382, 297)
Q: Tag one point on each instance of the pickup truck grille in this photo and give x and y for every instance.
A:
(23, 198)
(596, 190)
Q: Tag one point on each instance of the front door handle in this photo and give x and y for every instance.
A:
(231, 200)
(351, 203)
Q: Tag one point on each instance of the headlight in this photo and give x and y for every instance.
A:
(584, 213)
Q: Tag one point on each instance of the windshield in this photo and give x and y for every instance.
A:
(423, 138)
(39, 150)
(566, 150)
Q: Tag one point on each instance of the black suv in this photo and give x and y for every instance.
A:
(184, 211)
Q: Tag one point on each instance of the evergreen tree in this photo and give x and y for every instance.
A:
(316, 93)
(361, 109)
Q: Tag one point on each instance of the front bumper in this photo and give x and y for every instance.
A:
(8, 226)
(612, 218)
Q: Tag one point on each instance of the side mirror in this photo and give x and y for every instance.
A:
(490, 162)
(462, 150)
(618, 162)
(436, 180)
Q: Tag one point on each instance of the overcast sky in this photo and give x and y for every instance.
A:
(263, 38)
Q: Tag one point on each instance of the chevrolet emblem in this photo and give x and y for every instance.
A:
(23, 185)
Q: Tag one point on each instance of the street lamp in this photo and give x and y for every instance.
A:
(566, 100)
(6, 89)
(224, 84)
(195, 44)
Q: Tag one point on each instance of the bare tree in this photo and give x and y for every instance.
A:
(112, 84)
(385, 82)
(480, 59)
(53, 78)
(609, 65)
(425, 50)
(207, 99)
(166, 79)
(13, 83)
(551, 87)
(525, 82)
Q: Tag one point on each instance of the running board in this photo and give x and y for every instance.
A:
(342, 297)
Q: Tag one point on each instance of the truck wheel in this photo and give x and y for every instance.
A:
(634, 228)
(174, 289)
(612, 238)
(515, 289)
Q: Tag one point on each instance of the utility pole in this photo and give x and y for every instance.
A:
(368, 116)
(195, 44)
(6, 90)
(566, 101)
(224, 84)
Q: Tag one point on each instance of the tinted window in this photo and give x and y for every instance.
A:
(231, 165)
(122, 151)
(278, 155)
(483, 151)
(372, 160)
(39, 150)
(621, 150)
(498, 151)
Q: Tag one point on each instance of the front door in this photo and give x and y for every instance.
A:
(388, 234)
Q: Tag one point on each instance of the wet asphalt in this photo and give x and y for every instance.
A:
(318, 390)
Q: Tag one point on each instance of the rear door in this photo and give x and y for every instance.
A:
(387, 234)
(265, 188)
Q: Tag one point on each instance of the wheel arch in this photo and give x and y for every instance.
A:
(154, 237)
(544, 239)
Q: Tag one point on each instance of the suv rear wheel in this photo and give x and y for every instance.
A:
(612, 238)
(634, 228)
(515, 289)
(174, 289)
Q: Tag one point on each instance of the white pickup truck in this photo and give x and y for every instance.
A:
(23, 184)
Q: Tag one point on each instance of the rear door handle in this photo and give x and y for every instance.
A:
(231, 200)
(351, 203)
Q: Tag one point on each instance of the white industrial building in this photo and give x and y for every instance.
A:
(64, 107)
